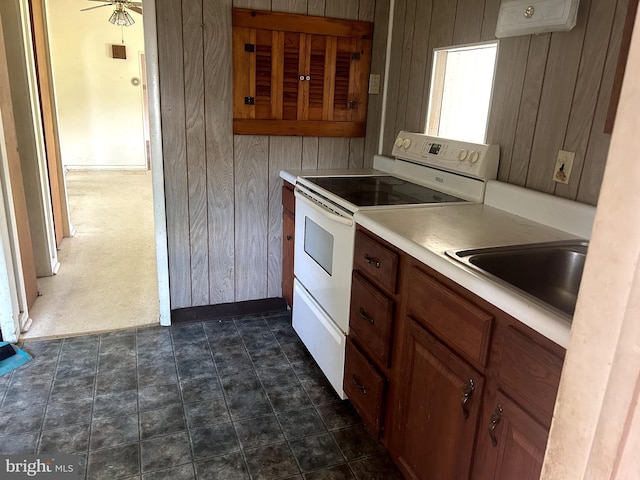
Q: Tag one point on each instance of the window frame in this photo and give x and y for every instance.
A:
(437, 80)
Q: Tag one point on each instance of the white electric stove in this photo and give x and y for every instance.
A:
(426, 171)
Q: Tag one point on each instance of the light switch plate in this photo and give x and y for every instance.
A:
(374, 84)
(564, 164)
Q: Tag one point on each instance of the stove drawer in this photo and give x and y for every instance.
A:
(324, 340)
(376, 261)
(371, 319)
(364, 387)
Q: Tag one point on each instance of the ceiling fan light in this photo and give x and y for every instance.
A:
(121, 18)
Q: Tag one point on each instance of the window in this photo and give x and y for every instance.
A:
(461, 86)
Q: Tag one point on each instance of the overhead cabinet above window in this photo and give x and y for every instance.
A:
(299, 75)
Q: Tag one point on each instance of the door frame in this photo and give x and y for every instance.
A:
(157, 160)
(11, 281)
(13, 303)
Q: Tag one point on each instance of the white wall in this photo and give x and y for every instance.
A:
(99, 110)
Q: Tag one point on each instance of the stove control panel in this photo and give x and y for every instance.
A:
(471, 159)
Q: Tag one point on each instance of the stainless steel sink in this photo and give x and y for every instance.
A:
(547, 273)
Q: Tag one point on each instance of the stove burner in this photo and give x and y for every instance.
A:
(381, 190)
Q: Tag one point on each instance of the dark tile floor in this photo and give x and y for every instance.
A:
(226, 399)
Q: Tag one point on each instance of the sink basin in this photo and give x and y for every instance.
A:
(547, 273)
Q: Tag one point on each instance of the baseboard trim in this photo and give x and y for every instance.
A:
(226, 310)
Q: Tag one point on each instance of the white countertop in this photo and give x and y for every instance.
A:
(426, 233)
(506, 218)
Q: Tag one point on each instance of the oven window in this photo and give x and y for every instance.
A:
(318, 244)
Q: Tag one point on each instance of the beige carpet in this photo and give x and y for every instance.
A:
(107, 278)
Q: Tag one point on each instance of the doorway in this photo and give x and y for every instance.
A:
(107, 278)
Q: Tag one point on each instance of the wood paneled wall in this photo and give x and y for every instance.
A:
(224, 216)
(552, 91)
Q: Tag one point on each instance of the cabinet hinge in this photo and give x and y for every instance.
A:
(249, 100)
(355, 56)
(352, 105)
(249, 47)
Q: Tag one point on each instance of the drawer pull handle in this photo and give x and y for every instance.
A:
(371, 260)
(361, 387)
(366, 317)
(493, 422)
(467, 391)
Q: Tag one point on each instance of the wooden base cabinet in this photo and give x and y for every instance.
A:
(365, 387)
(519, 407)
(372, 328)
(441, 398)
(288, 241)
(456, 388)
(514, 441)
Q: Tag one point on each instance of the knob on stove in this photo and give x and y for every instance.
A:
(474, 156)
(462, 155)
(406, 143)
(399, 141)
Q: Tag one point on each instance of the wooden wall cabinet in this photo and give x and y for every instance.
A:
(299, 75)
(288, 241)
(455, 387)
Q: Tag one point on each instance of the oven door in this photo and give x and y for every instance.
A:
(324, 256)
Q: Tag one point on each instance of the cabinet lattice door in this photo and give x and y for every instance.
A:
(300, 75)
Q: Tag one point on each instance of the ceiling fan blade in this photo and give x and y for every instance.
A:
(135, 4)
(135, 9)
(99, 6)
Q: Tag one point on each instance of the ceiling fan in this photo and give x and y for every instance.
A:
(120, 16)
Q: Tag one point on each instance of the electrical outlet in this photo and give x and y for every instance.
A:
(374, 84)
(564, 164)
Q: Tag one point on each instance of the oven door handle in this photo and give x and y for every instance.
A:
(321, 209)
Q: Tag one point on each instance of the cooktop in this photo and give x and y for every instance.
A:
(372, 191)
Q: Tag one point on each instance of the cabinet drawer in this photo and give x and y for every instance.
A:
(459, 323)
(376, 261)
(288, 199)
(364, 386)
(371, 319)
(530, 374)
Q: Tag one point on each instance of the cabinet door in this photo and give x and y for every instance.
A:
(299, 75)
(288, 229)
(317, 53)
(330, 78)
(291, 75)
(257, 57)
(441, 409)
(513, 442)
(350, 80)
